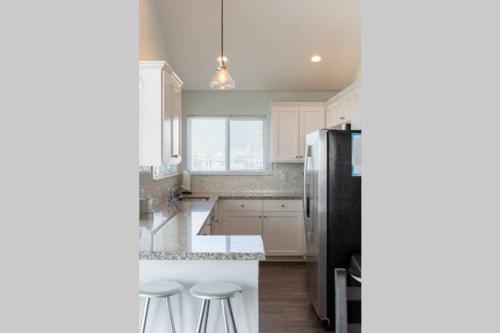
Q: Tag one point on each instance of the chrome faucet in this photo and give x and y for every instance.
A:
(174, 192)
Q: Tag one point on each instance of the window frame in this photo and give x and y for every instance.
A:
(228, 118)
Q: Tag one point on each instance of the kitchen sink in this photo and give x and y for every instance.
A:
(193, 198)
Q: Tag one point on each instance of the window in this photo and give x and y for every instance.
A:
(226, 144)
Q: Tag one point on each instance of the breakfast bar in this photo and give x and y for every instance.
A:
(172, 248)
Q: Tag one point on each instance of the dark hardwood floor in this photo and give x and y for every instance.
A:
(283, 301)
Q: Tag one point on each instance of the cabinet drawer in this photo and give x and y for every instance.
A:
(242, 205)
(282, 205)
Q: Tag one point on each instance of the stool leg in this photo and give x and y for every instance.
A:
(224, 315)
(167, 300)
(206, 317)
(231, 315)
(202, 315)
(145, 315)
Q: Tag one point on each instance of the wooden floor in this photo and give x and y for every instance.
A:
(283, 301)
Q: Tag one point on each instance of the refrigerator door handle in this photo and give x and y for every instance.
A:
(305, 202)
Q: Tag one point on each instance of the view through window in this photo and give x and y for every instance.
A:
(226, 144)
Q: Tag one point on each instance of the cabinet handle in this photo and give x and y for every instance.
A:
(265, 217)
(260, 217)
(283, 206)
(342, 118)
(175, 156)
(242, 206)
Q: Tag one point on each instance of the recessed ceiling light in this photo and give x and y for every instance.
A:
(316, 58)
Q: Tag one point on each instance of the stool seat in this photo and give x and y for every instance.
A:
(215, 290)
(211, 291)
(159, 288)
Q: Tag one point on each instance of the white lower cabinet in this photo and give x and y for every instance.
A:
(206, 230)
(283, 233)
(242, 223)
(279, 222)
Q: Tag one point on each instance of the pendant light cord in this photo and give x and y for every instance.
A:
(222, 31)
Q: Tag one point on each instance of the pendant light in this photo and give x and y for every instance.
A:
(222, 79)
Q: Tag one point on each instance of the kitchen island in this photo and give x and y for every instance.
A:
(170, 248)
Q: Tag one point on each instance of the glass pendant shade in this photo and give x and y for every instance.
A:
(222, 79)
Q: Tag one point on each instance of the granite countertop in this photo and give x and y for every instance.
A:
(261, 195)
(171, 232)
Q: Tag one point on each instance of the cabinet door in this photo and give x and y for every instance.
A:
(171, 120)
(206, 230)
(217, 222)
(312, 118)
(242, 223)
(150, 113)
(331, 117)
(176, 125)
(283, 233)
(286, 129)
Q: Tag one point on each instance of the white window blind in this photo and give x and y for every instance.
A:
(226, 144)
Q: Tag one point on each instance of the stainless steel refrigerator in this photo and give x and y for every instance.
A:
(332, 213)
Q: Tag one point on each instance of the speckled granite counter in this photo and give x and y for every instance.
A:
(172, 233)
(260, 196)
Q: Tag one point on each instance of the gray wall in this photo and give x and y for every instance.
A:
(152, 45)
(283, 177)
(240, 103)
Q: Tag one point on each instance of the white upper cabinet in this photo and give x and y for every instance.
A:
(345, 107)
(172, 120)
(312, 118)
(290, 124)
(286, 129)
(159, 114)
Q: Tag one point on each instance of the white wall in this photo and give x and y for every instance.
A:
(239, 103)
(152, 44)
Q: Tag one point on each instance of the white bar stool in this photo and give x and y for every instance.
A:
(215, 290)
(159, 289)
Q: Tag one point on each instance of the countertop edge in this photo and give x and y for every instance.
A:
(216, 256)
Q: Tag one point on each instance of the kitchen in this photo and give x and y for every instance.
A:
(222, 178)
(96, 239)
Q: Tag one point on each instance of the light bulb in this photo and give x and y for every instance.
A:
(223, 59)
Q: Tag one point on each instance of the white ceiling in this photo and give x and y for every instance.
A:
(269, 43)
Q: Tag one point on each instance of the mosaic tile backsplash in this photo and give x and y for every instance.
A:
(159, 189)
(285, 178)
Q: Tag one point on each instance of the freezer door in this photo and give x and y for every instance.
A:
(315, 218)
